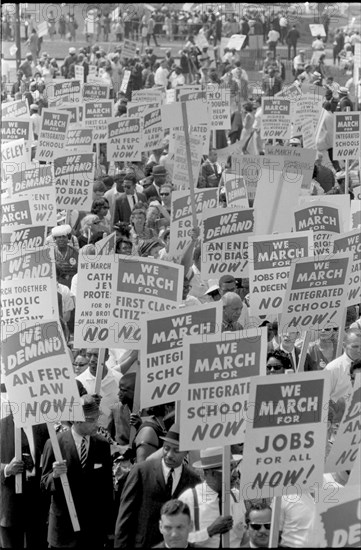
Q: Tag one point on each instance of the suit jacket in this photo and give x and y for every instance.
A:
(92, 492)
(122, 210)
(144, 494)
(308, 361)
(271, 90)
(207, 169)
(152, 192)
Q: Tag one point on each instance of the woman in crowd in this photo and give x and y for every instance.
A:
(100, 208)
(89, 232)
(323, 350)
(139, 231)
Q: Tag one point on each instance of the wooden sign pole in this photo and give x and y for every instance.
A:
(189, 162)
(226, 486)
(136, 403)
(301, 362)
(275, 523)
(341, 331)
(100, 368)
(64, 478)
(18, 456)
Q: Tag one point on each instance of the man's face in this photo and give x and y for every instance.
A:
(289, 338)
(353, 347)
(126, 392)
(213, 156)
(172, 456)
(159, 179)
(125, 248)
(129, 187)
(61, 241)
(228, 287)
(80, 364)
(92, 355)
(258, 519)
(232, 312)
(175, 530)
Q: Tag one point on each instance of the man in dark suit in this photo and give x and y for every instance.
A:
(288, 339)
(159, 174)
(87, 463)
(271, 83)
(149, 485)
(175, 524)
(125, 203)
(211, 170)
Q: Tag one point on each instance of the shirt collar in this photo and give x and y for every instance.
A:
(78, 438)
(166, 470)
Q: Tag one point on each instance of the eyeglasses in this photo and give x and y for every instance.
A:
(257, 526)
(164, 194)
(274, 367)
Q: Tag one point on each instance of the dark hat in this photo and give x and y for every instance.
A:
(158, 170)
(90, 405)
(172, 435)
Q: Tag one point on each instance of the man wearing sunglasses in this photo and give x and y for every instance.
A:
(258, 521)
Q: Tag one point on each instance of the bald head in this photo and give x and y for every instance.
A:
(232, 307)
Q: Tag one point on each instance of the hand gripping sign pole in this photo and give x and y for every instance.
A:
(63, 478)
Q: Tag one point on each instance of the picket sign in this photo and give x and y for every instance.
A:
(275, 523)
(226, 486)
(189, 163)
(63, 478)
(100, 368)
(18, 456)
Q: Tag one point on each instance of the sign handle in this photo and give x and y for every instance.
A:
(347, 176)
(64, 478)
(136, 403)
(275, 523)
(100, 368)
(340, 333)
(189, 162)
(275, 205)
(306, 341)
(18, 456)
(226, 486)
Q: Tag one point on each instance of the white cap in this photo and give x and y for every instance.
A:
(61, 230)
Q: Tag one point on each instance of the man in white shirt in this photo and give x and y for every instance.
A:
(205, 502)
(341, 386)
(273, 38)
(299, 63)
(161, 75)
(176, 78)
(108, 389)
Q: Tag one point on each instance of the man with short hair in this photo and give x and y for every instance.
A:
(299, 63)
(340, 367)
(258, 521)
(271, 83)
(232, 309)
(291, 40)
(205, 502)
(288, 340)
(211, 170)
(175, 524)
(149, 485)
(159, 174)
(161, 75)
(125, 203)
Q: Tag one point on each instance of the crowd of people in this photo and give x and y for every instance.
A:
(131, 485)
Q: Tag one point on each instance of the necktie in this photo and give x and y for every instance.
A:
(169, 485)
(134, 201)
(83, 452)
(215, 169)
(292, 362)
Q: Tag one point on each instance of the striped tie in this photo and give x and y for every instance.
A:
(83, 452)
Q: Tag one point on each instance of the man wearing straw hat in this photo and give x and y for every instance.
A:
(149, 485)
(205, 503)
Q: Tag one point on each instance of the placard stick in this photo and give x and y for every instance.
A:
(189, 163)
(226, 486)
(18, 456)
(100, 368)
(301, 362)
(346, 175)
(275, 523)
(63, 478)
(341, 331)
(275, 205)
(177, 412)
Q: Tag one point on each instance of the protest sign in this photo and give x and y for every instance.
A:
(225, 233)
(65, 91)
(170, 96)
(106, 245)
(74, 177)
(13, 109)
(276, 118)
(15, 241)
(129, 49)
(347, 136)
(96, 116)
(172, 114)
(292, 92)
(355, 218)
(79, 72)
(96, 80)
(180, 177)
(236, 42)
(351, 242)
(79, 139)
(137, 109)
(270, 259)
(337, 521)
(342, 202)
(26, 211)
(161, 349)
(191, 93)
(37, 185)
(125, 81)
(115, 291)
(76, 112)
(298, 162)
(38, 374)
(22, 299)
(317, 29)
(306, 108)
(16, 128)
(92, 70)
(124, 140)
(215, 386)
(91, 92)
(323, 219)
(38, 263)
(308, 134)
(152, 130)
(219, 101)
(285, 439)
(346, 446)
(201, 129)
(236, 191)
(148, 95)
(14, 158)
(181, 217)
(52, 137)
(316, 292)
(42, 29)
